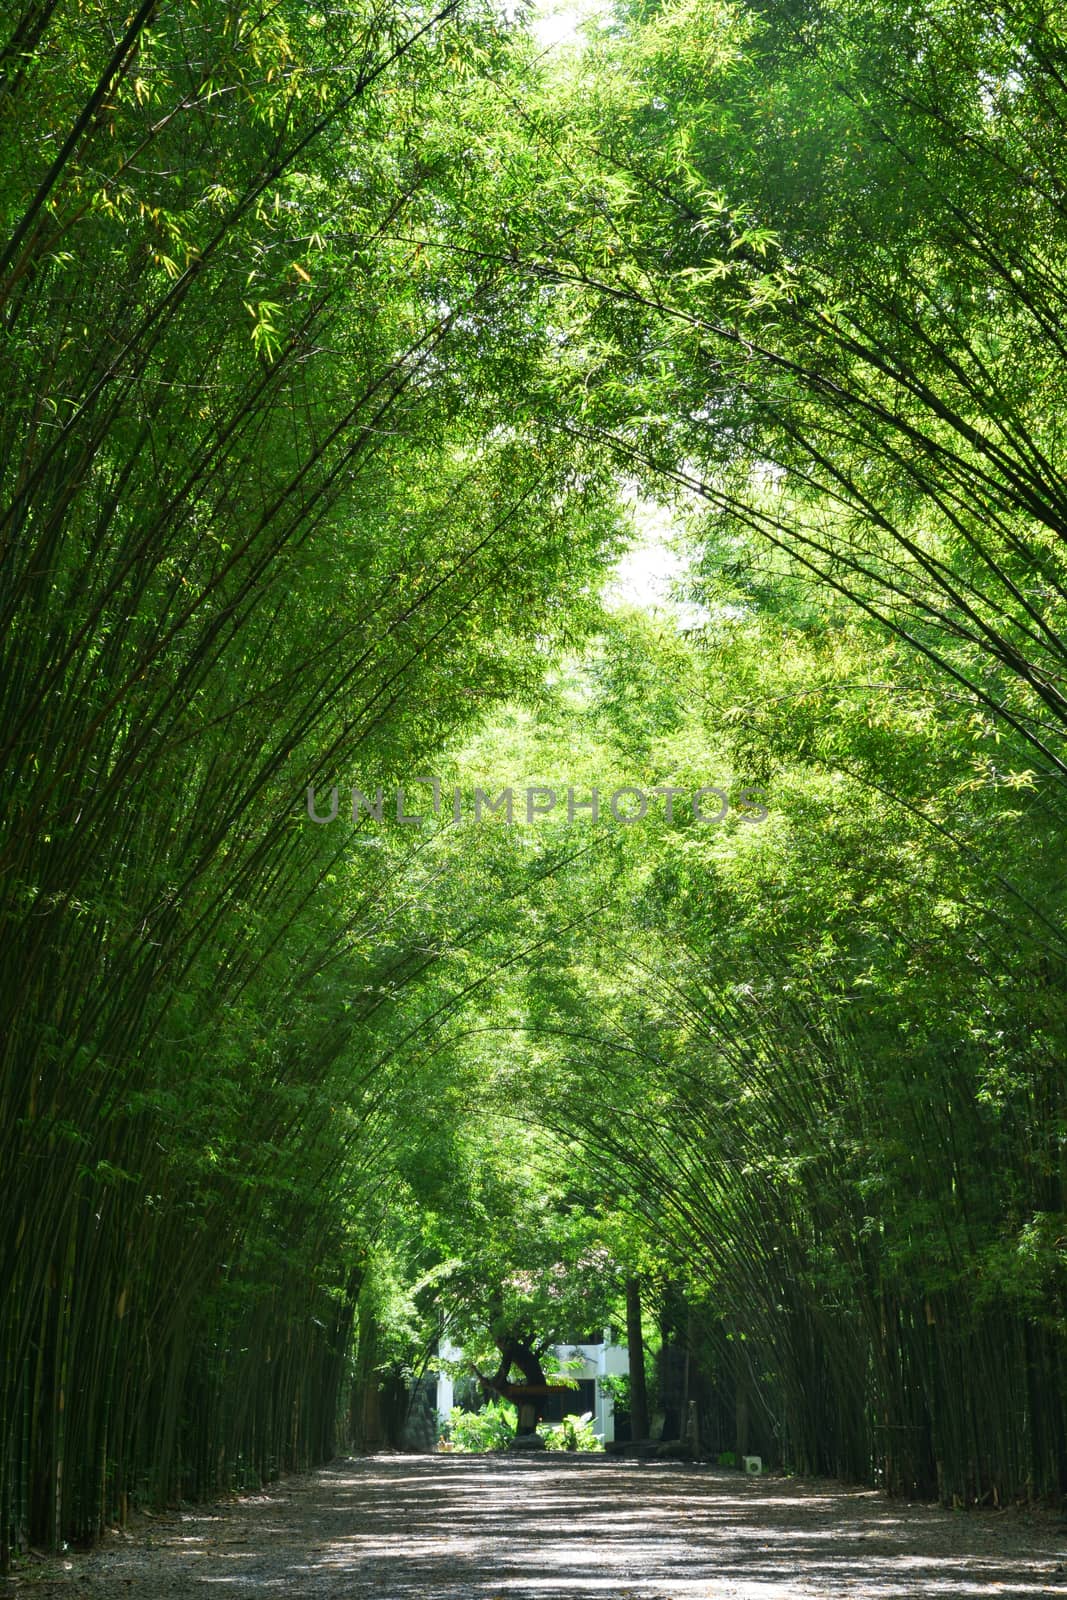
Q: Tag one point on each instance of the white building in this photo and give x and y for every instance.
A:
(598, 1361)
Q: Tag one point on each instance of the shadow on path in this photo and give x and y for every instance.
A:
(580, 1527)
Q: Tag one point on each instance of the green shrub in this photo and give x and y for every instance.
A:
(573, 1433)
(492, 1428)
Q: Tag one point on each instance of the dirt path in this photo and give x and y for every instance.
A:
(584, 1528)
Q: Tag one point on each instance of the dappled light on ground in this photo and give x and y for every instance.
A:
(492, 1528)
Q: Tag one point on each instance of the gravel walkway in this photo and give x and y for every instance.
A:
(580, 1527)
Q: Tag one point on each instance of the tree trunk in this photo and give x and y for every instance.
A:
(635, 1339)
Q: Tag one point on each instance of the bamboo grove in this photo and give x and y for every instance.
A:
(334, 345)
(259, 523)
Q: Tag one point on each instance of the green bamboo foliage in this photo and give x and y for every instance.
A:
(873, 1234)
(324, 335)
(814, 1062)
(259, 530)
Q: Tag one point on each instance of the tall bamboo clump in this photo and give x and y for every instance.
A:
(872, 1233)
(853, 1233)
(251, 539)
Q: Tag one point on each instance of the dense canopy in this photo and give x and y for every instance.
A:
(343, 352)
